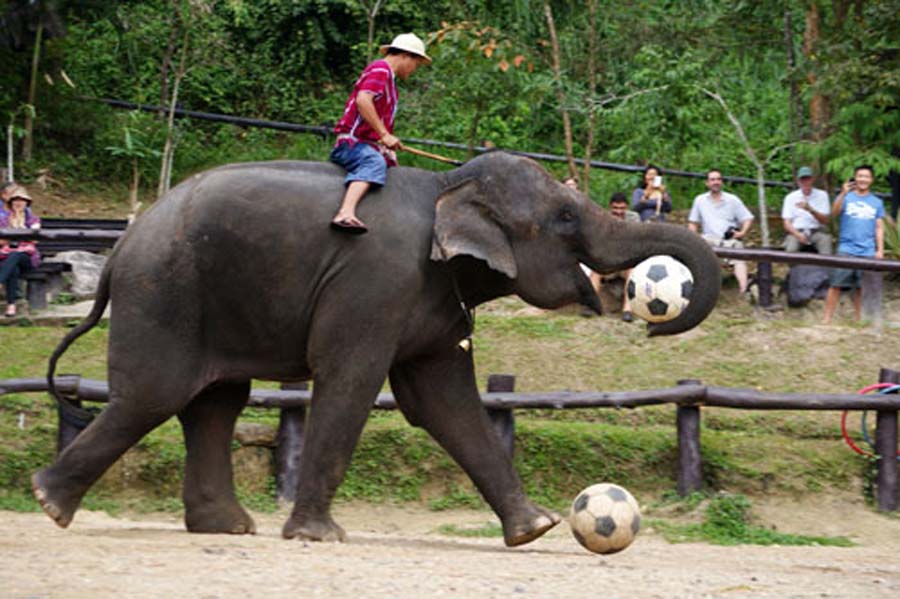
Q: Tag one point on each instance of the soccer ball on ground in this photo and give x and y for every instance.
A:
(605, 518)
(659, 288)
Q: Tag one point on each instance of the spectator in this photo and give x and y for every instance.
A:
(724, 220)
(366, 144)
(16, 257)
(806, 213)
(861, 234)
(618, 207)
(650, 199)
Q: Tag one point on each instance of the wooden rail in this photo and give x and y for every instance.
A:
(500, 401)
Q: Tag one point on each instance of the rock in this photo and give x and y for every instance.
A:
(254, 434)
(86, 269)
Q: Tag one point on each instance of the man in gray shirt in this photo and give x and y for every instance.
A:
(805, 213)
(724, 220)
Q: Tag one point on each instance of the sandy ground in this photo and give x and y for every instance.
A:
(397, 552)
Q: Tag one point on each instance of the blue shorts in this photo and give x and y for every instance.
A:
(845, 278)
(361, 161)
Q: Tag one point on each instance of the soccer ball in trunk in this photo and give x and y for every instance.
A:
(659, 288)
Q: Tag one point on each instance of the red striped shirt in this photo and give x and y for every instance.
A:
(377, 79)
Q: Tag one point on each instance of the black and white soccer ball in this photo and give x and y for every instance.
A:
(605, 518)
(659, 288)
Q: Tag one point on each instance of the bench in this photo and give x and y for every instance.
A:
(46, 281)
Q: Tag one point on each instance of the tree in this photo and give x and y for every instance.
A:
(188, 15)
(29, 22)
(136, 147)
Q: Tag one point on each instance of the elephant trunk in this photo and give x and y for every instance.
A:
(613, 245)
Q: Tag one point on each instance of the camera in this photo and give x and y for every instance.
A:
(13, 244)
(729, 232)
(657, 181)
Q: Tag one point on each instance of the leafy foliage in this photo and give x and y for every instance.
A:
(634, 74)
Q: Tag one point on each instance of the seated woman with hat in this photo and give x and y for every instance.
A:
(16, 257)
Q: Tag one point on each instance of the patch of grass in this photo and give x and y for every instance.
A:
(533, 327)
(728, 522)
(488, 529)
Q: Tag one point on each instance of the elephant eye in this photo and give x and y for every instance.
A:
(566, 215)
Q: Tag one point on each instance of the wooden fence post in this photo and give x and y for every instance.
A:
(764, 283)
(503, 420)
(886, 449)
(690, 466)
(66, 430)
(291, 423)
(872, 292)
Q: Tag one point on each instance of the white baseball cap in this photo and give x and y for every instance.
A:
(408, 42)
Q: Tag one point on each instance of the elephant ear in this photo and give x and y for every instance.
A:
(464, 224)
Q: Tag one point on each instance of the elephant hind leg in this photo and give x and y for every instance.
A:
(441, 396)
(60, 487)
(208, 425)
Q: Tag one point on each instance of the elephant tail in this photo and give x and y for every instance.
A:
(75, 415)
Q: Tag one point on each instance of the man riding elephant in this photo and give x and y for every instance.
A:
(346, 313)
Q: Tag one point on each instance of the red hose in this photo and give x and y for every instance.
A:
(844, 433)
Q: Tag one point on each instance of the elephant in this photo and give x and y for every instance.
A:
(235, 275)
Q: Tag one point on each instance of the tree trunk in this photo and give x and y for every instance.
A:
(9, 152)
(165, 174)
(560, 94)
(28, 142)
(592, 89)
(794, 116)
(473, 133)
(761, 200)
(818, 104)
(166, 63)
(133, 192)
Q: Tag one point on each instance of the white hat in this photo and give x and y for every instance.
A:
(408, 42)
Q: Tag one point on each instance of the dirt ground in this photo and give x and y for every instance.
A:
(396, 551)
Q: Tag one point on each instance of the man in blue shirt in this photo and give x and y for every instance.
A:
(862, 234)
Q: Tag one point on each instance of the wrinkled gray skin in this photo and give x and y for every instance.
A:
(236, 275)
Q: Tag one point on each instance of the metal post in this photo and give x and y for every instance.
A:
(690, 465)
(886, 449)
(503, 420)
(289, 448)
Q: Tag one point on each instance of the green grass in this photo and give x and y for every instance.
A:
(728, 522)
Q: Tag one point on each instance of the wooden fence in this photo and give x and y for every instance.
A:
(501, 401)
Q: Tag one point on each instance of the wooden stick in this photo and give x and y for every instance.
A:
(425, 154)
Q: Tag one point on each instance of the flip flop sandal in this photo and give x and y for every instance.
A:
(347, 226)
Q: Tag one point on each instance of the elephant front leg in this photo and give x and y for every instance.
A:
(440, 395)
(208, 424)
(340, 407)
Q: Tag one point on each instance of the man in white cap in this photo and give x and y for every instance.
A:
(365, 140)
(806, 212)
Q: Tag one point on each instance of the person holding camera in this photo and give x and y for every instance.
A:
(651, 200)
(724, 221)
(806, 213)
(861, 234)
(16, 257)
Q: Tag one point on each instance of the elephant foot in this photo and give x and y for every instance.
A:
(526, 527)
(313, 529)
(59, 506)
(219, 519)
